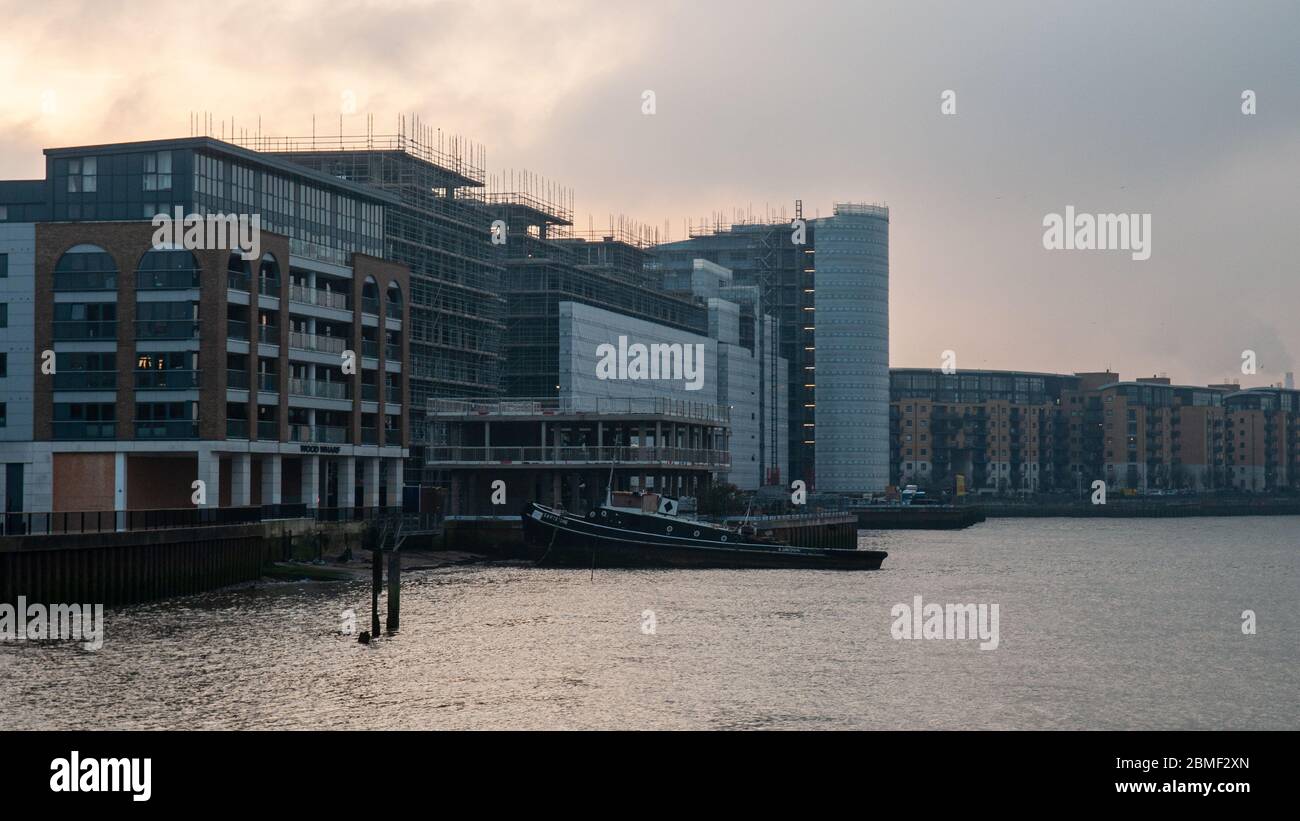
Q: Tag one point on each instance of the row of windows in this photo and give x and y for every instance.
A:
(83, 173)
(88, 268)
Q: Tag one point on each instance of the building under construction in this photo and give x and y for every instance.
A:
(829, 290)
(441, 230)
(761, 255)
(545, 265)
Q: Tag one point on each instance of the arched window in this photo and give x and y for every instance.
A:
(394, 300)
(239, 273)
(370, 296)
(268, 276)
(164, 268)
(85, 268)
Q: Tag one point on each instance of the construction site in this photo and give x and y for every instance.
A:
(493, 256)
(484, 305)
(761, 254)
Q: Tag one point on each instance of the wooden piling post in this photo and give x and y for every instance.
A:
(376, 581)
(394, 589)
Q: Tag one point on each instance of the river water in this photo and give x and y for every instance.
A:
(1103, 624)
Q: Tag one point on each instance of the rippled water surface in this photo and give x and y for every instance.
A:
(1103, 624)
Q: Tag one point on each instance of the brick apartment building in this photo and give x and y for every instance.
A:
(1009, 431)
(170, 365)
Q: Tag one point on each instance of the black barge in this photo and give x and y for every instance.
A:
(642, 530)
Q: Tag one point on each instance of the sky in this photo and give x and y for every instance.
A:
(1109, 107)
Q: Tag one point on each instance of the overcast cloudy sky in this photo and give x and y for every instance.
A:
(1106, 106)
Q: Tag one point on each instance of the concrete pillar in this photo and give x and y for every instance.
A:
(119, 490)
(271, 479)
(453, 500)
(555, 489)
(210, 475)
(370, 479)
(347, 481)
(38, 480)
(241, 480)
(394, 468)
(119, 480)
(311, 481)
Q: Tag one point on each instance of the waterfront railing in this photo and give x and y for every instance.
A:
(110, 521)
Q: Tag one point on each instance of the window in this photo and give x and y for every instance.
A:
(82, 175)
(161, 268)
(84, 421)
(4, 365)
(166, 420)
(86, 268)
(4, 259)
(158, 171)
(4, 314)
(86, 371)
(4, 414)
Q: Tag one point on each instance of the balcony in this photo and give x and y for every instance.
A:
(322, 253)
(369, 392)
(578, 455)
(268, 287)
(238, 282)
(237, 329)
(85, 380)
(316, 296)
(319, 388)
(268, 382)
(268, 334)
(166, 329)
(393, 394)
(84, 430)
(166, 429)
(370, 305)
(166, 280)
(81, 330)
(320, 433)
(85, 281)
(369, 436)
(392, 436)
(332, 435)
(167, 380)
(393, 311)
(237, 380)
(528, 408)
(268, 429)
(236, 428)
(393, 353)
(319, 344)
(370, 348)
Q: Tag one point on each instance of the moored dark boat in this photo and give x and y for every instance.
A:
(630, 531)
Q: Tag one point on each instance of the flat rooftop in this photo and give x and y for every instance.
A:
(233, 151)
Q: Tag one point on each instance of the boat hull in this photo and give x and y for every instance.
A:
(561, 539)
